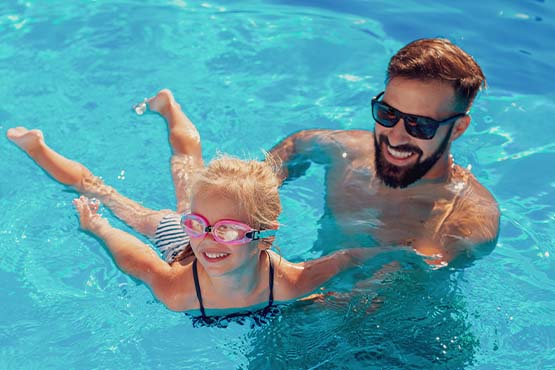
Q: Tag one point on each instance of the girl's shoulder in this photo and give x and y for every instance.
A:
(176, 290)
(287, 276)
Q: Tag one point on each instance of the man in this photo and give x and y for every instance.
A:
(399, 185)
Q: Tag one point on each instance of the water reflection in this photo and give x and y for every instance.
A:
(413, 318)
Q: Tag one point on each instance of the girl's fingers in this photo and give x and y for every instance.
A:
(93, 204)
(83, 210)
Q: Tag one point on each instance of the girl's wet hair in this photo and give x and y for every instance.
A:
(252, 184)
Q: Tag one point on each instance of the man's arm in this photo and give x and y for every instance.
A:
(469, 233)
(296, 152)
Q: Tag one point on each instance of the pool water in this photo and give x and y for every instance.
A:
(248, 73)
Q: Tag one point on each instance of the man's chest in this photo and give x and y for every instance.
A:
(361, 204)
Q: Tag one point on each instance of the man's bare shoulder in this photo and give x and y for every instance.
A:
(348, 140)
(335, 135)
(471, 226)
(476, 213)
(478, 196)
(353, 136)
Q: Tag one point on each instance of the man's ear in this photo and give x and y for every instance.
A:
(460, 127)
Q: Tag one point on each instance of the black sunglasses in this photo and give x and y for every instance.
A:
(417, 126)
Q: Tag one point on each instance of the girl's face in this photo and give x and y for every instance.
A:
(219, 258)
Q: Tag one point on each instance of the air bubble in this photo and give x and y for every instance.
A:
(140, 108)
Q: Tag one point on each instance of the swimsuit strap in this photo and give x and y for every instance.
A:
(197, 288)
(199, 294)
(271, 280)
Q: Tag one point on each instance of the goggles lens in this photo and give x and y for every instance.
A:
(224, 231)
(419, 127)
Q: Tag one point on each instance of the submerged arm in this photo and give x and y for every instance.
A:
(296, 152)
(312, 274)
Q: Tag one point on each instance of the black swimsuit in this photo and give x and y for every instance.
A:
(259, 317)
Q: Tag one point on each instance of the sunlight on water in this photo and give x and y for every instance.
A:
(248, 74)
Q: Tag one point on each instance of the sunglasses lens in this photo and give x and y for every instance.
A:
(421, 127)
(384, 115)
(417, 126)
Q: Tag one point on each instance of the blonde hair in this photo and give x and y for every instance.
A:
(253, 184)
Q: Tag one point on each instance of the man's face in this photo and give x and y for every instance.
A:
(402, 159)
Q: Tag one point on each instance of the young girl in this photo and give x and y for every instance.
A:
(216, 246)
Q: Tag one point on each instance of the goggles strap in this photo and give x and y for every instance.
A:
(253, 235)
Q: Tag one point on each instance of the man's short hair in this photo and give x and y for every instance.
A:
(439, 60)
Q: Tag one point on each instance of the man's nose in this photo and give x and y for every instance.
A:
(398, 135)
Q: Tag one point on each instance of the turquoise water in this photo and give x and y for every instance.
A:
(248, 73)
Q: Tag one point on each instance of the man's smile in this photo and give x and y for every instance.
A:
(399, 156)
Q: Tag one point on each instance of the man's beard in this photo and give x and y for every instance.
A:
(401, 177)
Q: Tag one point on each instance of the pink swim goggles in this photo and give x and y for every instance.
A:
(228, 232)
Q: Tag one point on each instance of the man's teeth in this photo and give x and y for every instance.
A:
(215, 255)
(398, 154)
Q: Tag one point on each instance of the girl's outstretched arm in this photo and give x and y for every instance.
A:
(130, 254)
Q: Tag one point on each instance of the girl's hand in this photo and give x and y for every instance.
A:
(89, 219)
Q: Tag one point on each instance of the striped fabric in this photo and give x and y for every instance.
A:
(170, 238)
